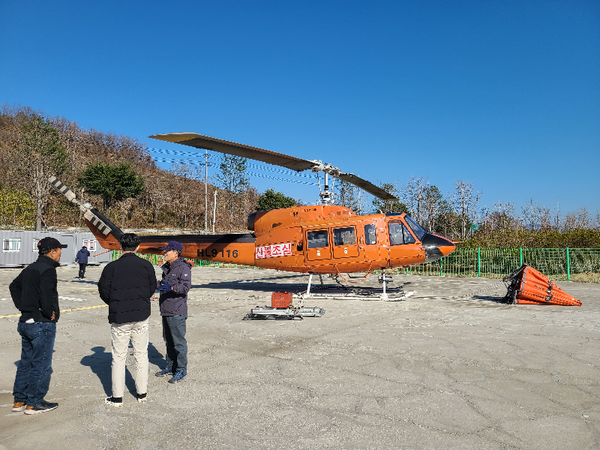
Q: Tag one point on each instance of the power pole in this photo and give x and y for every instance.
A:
(214, 209)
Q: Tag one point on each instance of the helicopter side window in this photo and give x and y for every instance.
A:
(344, 236)
(399, 234)
(317, 239)
(370, 235)
(396, 236)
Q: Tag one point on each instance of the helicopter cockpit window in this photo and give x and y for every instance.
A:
(370, 235)
(399, 234)
(408, 238)
(344, 236)
(419, 232)
(317, 239)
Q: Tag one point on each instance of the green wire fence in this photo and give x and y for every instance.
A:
(570, 264)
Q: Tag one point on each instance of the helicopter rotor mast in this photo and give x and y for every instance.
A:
(278, 159)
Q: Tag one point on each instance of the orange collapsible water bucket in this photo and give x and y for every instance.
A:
(531, 287)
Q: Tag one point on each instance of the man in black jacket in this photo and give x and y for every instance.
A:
(127, 286)
(35, 294)
(82, 259)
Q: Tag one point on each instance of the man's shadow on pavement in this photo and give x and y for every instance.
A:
(101, 360)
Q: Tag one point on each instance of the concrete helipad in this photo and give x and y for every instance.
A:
(449, 367)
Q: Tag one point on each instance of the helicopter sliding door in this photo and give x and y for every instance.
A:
(344, 242)
(371, 245)
(317, 245)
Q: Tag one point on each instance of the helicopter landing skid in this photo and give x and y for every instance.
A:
(342, 292)
(348, 295)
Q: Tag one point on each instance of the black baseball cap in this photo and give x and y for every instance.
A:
(49, 243)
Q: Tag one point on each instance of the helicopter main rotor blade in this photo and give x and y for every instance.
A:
(367, 186)
(233, 148)
(269, 157)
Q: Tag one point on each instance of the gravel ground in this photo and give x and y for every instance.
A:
(450, 367)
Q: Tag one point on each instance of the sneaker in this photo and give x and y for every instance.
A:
(41, 407)
(117, 402)
(142, 398)
(18, 407)
(179, 375)
(163, 373)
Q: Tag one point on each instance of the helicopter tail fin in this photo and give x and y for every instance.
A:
(107, 233)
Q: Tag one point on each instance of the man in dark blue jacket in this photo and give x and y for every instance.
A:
(82, 259)
(127, 286)
(175, 284)
(35, 294)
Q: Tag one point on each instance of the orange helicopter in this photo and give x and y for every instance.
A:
(317, 239)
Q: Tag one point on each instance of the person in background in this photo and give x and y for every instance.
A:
(82, 259)
(174, 287)
(127, 286)
(35, 294)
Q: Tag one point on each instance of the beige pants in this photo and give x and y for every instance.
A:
(121, 334)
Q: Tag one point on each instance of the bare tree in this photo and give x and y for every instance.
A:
(503, 217)
(190, 200)
(536, 216)
(433, 206)
(233, 180)
(414, 195)
(464, 202)
(580, 219)
(347, 196)
(39, 156)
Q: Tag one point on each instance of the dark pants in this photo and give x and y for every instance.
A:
(174, 336)
(82, 270)
(35, 367)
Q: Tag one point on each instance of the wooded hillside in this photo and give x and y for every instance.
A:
(34, 146)
(168, 200)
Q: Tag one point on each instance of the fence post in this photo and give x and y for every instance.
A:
(568, 266)
(478, 262)
(520, 256)
(441, 267)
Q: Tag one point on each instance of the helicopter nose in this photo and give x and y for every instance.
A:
(436, 247)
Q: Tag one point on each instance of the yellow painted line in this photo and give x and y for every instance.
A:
(81, 309)
(62, 310)
(77, 287)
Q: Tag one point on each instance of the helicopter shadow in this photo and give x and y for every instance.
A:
(299, 284)
(100, 362)
(260, 284)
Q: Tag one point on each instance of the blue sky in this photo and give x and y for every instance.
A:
(502, 94)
